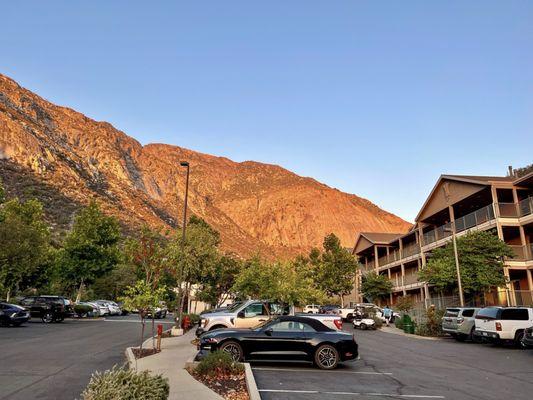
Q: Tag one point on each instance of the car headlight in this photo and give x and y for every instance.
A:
(203, 322)
(13, 315)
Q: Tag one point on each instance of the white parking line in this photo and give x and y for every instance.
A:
(406, 396)
(321, 371)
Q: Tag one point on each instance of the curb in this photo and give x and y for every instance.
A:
(190, 363)
(253, 392)
(413, 336)
(130, 357)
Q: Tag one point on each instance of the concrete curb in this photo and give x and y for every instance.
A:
(399, 332)
(253, 392)
(190, 363)
(132, 364)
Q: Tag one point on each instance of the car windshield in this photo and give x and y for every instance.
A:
(234, 306)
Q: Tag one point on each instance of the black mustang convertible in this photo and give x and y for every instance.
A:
(283, 338)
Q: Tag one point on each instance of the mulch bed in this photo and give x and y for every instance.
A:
(138, 353)
(230, 387)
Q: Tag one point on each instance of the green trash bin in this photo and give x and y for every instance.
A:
(407, 327)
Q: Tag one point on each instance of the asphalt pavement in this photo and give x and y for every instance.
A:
(399, 367)
(55, 361)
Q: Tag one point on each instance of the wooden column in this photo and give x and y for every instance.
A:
(376, 264)
(496, 211)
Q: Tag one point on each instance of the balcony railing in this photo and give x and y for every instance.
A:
(411, 250)
(409, 279)
(508, 210)
(525, 207)
(439, 233)
(523, 297)
(475, 218)
(522, 253)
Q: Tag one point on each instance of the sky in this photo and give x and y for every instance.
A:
(375, 98)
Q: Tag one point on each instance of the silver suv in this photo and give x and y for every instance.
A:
(460, 322)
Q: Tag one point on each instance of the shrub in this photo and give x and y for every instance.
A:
(218, 363)
(398, 322)
(82, 309)
(124, 384)
(378, 322)
(404, 303)
(195, 318)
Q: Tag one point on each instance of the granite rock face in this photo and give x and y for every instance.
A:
(255, 206)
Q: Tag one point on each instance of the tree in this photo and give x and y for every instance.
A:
(480, 259)
(278, 281)
(217, 282)
(114, 284)
(24, 243)
(375, 286)
(144, 298)
(335, 268)
(190, 259)
(90, 249)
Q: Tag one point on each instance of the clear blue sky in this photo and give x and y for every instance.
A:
(373, 98)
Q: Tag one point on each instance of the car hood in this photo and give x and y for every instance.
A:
(225, 332)
(220, 314)
(15, 307)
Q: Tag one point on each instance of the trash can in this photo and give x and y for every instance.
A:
(409, 328)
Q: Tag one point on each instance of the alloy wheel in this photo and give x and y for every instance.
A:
(233, 349)
(327, 357)
(47, 318)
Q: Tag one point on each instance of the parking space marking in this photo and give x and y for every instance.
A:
(406, 396)
(135, 321)
(320, 371)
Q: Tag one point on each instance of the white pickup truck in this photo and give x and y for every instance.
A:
(503, 324)
(252, 313)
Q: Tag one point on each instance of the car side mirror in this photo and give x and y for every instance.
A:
(268, 332)
(240, 314)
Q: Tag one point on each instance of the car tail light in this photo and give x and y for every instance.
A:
(338, 323)
(498, 326)
(460, 320)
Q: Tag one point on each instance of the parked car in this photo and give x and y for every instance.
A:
(103, 308)
(503, 324)
(329, 309)
(311, 309)
(11, 314)
(159, 313)
(112, 307)
(86, 309)
(460, 322)
(252, 313)
(527, 340)
(48, 308)
(283, 338)
(220, 309)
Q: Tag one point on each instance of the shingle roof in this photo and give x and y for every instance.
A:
(381, 238)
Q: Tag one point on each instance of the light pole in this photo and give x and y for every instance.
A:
(184, 225)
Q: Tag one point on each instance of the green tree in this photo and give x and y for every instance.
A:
(335, 268)
(190, 259)
(480, 259)
(216, 283)
(375, 286)
(90, 249)
(114, 284)
(144, 298)
(24, 243)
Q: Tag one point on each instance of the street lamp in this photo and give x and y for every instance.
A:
(184, 225)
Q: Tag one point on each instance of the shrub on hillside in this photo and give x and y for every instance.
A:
(124, 384)
(218, 363)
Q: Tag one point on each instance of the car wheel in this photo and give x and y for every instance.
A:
(47, 317)
(518, 340)
(326, 357)
(59, 319)
(349, 318)
(233, 348)
(363, 326)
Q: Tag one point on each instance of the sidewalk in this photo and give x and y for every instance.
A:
(175, 351)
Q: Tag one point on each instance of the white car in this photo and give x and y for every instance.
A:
(311, 309)
(108, 307)
(503, 324)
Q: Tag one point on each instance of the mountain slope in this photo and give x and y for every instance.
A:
(256, 207)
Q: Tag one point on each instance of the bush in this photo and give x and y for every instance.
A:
(125, 384)
(218, 363)
(378, 322)
(82, 310)
(195, 318)
(404, 303)
(398, 322)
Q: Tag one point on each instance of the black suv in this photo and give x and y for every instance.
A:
(48, 308)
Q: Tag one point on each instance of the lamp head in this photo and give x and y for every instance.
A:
(184, 163)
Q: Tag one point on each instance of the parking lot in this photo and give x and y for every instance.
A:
(394, 366)
(55, 361)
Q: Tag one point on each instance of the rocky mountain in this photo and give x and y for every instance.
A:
(65, 159)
